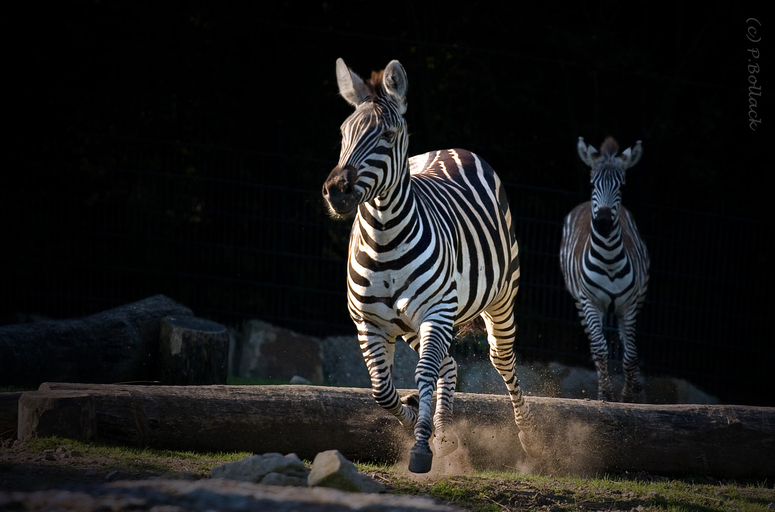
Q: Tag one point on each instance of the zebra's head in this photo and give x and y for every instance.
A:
(374, 139)
(607, 177)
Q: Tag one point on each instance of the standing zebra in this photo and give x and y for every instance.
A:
(605, 262)
(432, 246)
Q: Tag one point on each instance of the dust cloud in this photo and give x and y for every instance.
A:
(567, 447)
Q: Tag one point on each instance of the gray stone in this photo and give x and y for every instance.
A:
(296, 379)
(283, 480)
(669, 390)
(332, 469)
(117, 345)
(207, 495)
(256, 467)
(343, 364)
(268, 352)
(579, 383)
(480, 377)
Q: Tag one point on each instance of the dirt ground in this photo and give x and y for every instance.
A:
(32, 470)
(23, 469)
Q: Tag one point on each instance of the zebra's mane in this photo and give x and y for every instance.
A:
(374, 84)
(609, 148)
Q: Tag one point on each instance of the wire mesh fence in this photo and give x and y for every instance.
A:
(205, 226)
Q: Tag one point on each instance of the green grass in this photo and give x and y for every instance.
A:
(130, 458)
(12, 389)
(492, 491)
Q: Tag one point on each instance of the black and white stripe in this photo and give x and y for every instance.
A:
(432, 246)
(605, 262)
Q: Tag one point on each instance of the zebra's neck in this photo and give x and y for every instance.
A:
(385, 218)
(608, 253)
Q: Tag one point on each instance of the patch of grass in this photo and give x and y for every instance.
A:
(492, 491)
(13, 389)
(128, 458)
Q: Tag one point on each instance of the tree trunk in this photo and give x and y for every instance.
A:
(578, 436)
(192, 351)
(118, 345)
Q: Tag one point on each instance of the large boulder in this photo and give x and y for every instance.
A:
(275, 354)
(117, 345)
(343, 363)
(272, 353)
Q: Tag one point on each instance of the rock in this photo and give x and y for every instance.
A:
(283, 480)
(343, 364)
(332, 469)
(117, 345)
(579, 383)
(179, 475)
(256, 467)
(669, 390)
(268, 352)
(205, 495)
(481, 377)
(296, 379)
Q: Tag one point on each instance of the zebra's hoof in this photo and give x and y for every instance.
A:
(445, 442)
(420, 459)
(530, 445)
(411, 400)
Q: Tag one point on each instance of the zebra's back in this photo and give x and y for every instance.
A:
(461, 200)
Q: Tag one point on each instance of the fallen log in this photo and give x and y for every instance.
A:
(577, 436)
(117, 345)
(9, 414)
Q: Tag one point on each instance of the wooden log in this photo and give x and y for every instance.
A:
(9, 414)
(117, 345)
(192, 351)
(577, 436)
(70, 414)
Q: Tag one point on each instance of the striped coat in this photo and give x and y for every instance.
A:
(605, 263)
(432, 246)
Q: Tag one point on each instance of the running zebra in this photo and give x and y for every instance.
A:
(605, 262)
(432, 246)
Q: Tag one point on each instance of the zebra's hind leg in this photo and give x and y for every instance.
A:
(592, 320)
(632, 381)
(501, 329)
(435, 337)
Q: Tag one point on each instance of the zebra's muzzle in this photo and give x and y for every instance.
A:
(604, 221)
(339, 190)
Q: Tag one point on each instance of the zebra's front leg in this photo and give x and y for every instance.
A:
(435, 337)
(501, 329)
(378, 354)
(445, 440)
(592, 320)
(632, 382)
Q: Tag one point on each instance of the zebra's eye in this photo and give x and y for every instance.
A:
(388, 135)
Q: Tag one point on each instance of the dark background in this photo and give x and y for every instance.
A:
(161, 147)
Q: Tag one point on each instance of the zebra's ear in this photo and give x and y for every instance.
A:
(395, 83)
(631, 156)
(588, 154)
(351, 87)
